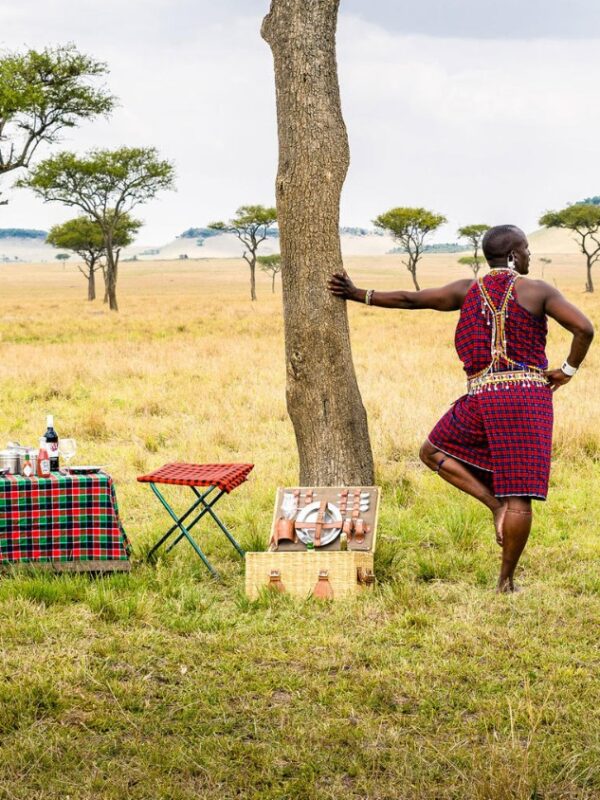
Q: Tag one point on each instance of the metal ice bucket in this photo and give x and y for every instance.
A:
(9, 459)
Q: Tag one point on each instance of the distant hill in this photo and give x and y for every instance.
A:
(26, 245)
(552, 241)
(442, 247)
(22, 233)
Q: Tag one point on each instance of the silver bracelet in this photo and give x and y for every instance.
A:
(568, 369)
(368, 296)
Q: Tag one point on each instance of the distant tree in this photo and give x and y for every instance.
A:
(583, 219)
(84, 236)
(271, 265)
(473, 262)
(41, 93)
(409, 227)
(474, 234)
(106, 185)
(62, 256)
(590, 201)
(251, 226)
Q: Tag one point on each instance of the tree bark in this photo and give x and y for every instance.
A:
(323, 398)
(111, 274)
(589, 286)
(253, 277)
(92, 281)
(413, 271)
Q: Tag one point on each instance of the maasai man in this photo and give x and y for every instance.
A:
(494, 443)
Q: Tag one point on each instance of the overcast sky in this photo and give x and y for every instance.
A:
(484, 111)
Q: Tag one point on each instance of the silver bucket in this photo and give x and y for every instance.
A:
(9, 459)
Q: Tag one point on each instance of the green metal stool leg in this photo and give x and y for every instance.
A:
(208, 508)
(185, 532)
(200, 515)
(183, 517)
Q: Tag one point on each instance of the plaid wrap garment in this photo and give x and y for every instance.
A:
(505, 433)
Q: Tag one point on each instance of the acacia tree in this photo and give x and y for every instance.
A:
(409, 227)
(84, 236)
(471, 261)
(583, 219)
(474, 234)
(323, 398)
(251, 225)
(272, 266)
(106, 185)
(42, 93)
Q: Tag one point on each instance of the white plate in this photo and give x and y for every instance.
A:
(86, 469)
(309, 514)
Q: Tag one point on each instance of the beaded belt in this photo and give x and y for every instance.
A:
(502, 380)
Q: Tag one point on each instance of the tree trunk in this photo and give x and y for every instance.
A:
(273, 282)
(92, 282)
(111, 274)
(589, 286)
(323, 399)
(253, 276)
(412, 268)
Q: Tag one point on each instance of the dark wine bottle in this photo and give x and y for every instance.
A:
(51, 437)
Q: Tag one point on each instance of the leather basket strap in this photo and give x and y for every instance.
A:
(320, 522)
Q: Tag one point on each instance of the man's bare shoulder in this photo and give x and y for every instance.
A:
(536, 287)
(461, 286)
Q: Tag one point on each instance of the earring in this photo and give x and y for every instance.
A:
(511, 261)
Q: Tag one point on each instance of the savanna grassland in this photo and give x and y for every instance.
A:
(165, 684)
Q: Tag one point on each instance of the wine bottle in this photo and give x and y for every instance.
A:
(51, 438)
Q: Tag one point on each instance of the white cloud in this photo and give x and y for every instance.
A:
(480, 130)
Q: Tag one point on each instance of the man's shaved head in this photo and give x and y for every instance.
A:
(500, 240)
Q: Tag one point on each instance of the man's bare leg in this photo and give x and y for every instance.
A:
(458, 474)
(517, 525)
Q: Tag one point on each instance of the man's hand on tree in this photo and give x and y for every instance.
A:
(340, 285)
(556, 378)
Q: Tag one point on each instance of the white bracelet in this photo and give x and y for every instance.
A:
(368, 296)
(568, 369)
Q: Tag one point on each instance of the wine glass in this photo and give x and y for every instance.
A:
(67, 448)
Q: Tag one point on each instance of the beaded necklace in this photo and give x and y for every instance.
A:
(502, 371)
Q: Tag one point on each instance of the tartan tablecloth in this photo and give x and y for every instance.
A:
(60, 518)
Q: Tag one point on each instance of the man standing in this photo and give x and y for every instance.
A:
(494, 443)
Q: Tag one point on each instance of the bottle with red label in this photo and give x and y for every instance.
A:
(51, 437)
(43, 463)
(27, 467)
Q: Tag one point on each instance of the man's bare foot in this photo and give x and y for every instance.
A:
(499, 515)
(507, 586)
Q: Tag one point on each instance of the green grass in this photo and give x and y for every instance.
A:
(166, 685)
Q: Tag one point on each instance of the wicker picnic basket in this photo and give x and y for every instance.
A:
(296, 570)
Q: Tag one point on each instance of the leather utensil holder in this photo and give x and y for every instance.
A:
(285, 530)
(323, 589)
(275, 583)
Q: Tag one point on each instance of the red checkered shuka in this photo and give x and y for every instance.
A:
(506, 432)
(225, 476)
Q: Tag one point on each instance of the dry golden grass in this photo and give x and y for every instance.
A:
(163, 684)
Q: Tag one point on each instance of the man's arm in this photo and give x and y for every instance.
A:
(442, 298)
(571, 318)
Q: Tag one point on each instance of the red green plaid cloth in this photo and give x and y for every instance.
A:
(60, 518)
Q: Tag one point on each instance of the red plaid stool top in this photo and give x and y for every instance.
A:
(225, 476)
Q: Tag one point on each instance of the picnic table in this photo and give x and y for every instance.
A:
(67, 521)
